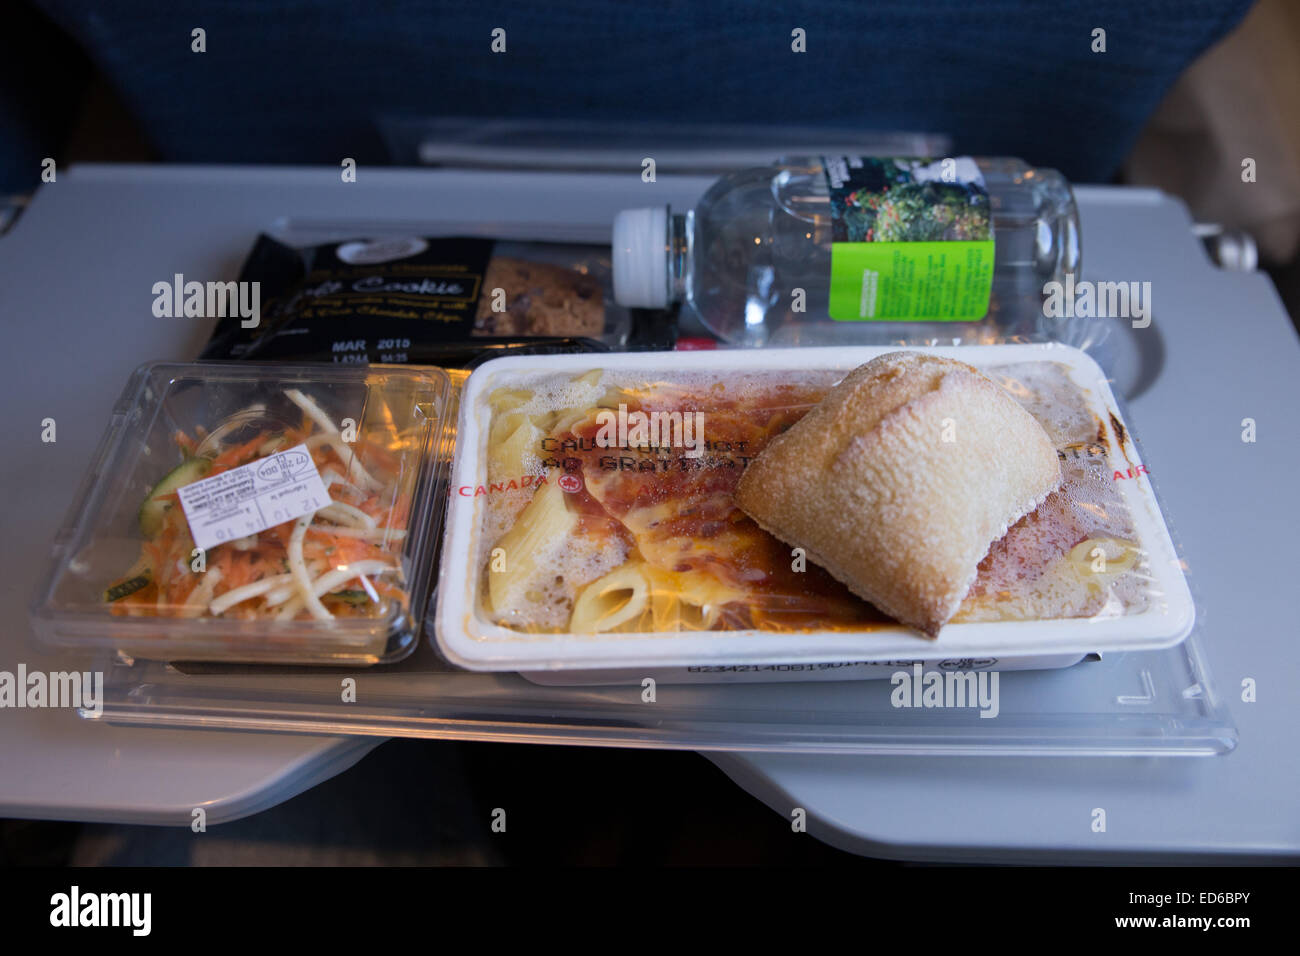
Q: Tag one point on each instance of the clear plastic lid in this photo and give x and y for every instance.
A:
(265, 513)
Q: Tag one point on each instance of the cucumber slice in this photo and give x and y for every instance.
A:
(127, 586)
(154, 509)
(353, 597)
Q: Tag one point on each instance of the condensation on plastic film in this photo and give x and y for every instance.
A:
(1084, 553)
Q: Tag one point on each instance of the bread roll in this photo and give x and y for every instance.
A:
(900, 479)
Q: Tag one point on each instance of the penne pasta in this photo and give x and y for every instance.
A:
(506, 400)
(520, 559)
(609, 603)
(1101, 559)
(509, 454)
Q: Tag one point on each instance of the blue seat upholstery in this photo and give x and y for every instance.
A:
(300, 82)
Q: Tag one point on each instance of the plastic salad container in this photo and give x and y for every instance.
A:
(255, 513)
(584, 557)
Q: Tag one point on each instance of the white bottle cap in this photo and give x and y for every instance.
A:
(641, 258)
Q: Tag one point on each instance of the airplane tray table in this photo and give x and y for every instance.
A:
(1150, 703)
(1147, 703)
(79, 266)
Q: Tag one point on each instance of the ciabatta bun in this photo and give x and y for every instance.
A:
(900, 479)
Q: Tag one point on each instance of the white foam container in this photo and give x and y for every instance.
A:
(468, 640)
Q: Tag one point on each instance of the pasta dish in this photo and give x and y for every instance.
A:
(587, 529)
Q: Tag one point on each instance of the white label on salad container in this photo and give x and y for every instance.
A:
(253, 497)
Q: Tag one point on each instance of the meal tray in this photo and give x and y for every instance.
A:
(1145, 703)
(1151, 703)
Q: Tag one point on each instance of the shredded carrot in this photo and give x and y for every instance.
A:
(186, 443)
(235, 456)
(226, 561)
(400, 513)
(381, 457)
(168, 554)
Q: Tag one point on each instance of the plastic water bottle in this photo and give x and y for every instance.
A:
(824, 251)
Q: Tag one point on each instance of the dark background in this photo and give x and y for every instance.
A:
(423, 803)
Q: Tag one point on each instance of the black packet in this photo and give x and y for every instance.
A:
(451, 301)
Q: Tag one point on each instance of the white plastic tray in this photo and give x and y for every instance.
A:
(469, 641)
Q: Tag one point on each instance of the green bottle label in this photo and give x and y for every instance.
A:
(911, 240)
